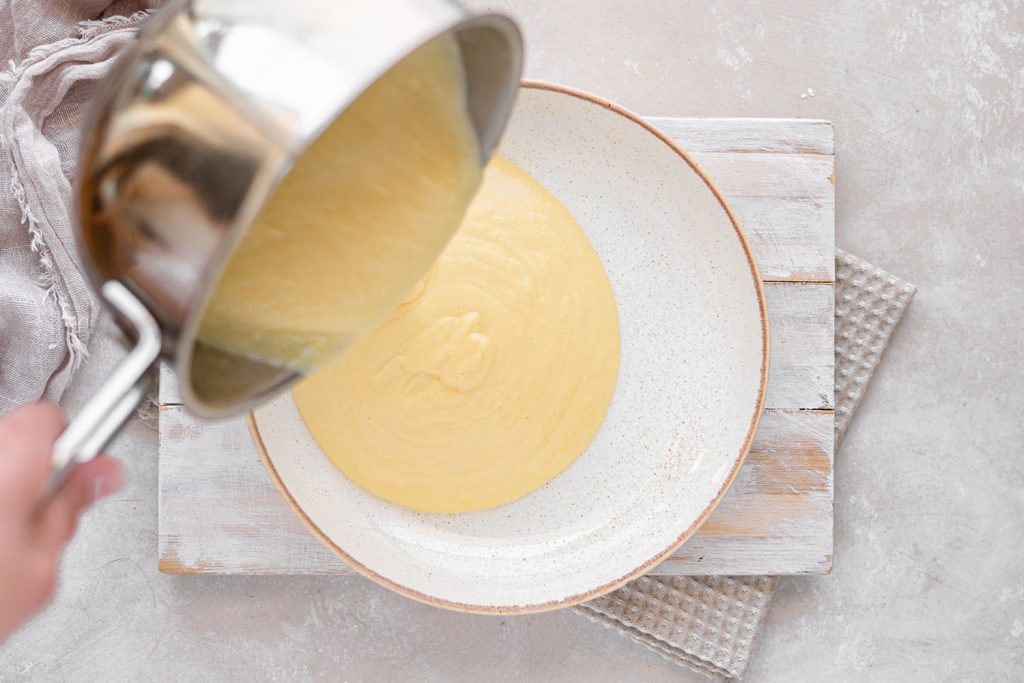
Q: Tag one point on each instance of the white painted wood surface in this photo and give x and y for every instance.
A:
(220, 514)
(792, 136)
(786, 205)
(802, 318)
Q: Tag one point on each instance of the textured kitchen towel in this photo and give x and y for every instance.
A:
(709, 623)
(51, 54)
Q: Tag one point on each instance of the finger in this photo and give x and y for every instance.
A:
(26, 443)
(87, 483)
(42, 580)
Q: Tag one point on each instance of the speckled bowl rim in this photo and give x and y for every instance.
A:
(641, 569)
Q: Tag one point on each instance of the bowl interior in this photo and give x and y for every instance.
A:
(689, 391)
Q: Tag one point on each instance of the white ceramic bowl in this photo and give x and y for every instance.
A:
(689, 394)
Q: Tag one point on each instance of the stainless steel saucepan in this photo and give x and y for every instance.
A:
(197, 125)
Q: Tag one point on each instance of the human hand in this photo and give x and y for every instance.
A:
(34, 532)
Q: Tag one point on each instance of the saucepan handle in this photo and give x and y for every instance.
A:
(111, 406)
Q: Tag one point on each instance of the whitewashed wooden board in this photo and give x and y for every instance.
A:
(220, 514)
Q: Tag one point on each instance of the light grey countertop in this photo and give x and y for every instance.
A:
(928, 103)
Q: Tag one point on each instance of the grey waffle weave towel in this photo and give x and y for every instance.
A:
(709, 623)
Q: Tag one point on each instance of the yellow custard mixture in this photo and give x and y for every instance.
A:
(492, 376)
(357, 221)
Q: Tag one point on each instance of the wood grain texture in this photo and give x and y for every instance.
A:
(167, 391)
(779, 177)
(777, 517)
(220, 514)
(802, 319)
(785, 136)
(786, 205)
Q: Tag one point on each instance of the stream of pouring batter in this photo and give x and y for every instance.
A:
(357, 221)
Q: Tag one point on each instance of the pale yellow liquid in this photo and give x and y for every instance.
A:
(492, 376)
(357, 221)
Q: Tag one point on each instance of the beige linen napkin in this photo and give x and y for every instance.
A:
(48, 67)
(709, 623)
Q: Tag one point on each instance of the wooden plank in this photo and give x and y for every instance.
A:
(787, 237)
(220, 513)
(786, 205)
(802, 320)
(777, 517)
(784, 136)
(779, 176)
(168, 389)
